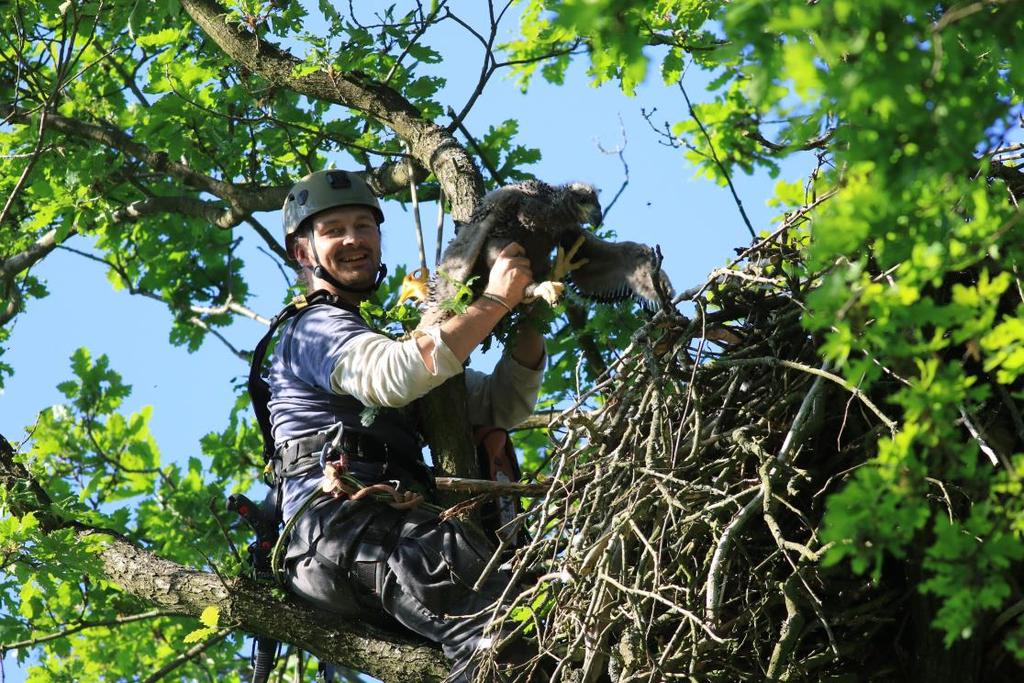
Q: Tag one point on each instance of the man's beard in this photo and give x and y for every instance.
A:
(363, 276)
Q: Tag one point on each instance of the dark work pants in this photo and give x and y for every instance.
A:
(367, 561)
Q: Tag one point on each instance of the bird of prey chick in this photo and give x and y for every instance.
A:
(541, 217)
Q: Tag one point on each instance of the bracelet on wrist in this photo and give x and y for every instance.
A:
(496, 299)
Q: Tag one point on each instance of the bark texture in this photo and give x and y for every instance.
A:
(243, 604)
(433, 147)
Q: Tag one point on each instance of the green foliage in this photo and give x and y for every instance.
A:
(109, 456)
(457, 303)
(913, 263)
(505, 159)
(385, 313)
(973, 568)
(615, 33)
(209, 619)
(913, 250)
(103, 468)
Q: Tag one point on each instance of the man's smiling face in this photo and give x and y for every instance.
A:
(348, 243)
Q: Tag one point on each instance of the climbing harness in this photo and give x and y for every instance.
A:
(265, 520)
(333, 450)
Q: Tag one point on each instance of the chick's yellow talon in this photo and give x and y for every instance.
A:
(564, 263)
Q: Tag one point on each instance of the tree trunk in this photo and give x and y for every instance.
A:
(930, 660)
(444, 422)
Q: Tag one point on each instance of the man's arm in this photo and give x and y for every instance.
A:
(505, 397)
(528, 347)
(381, 372)
(507, 280)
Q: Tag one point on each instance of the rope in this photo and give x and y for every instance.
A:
(416, 210)
(440, 224)
(337, 484)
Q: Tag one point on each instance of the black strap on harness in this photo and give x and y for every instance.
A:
(259, 390)
(265, 519)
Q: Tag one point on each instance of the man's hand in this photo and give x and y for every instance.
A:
(462, 333)
(510, 274)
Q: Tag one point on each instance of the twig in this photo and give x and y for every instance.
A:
(199, 323)
(619, 152)
(33, 158)
(668, 603)
(820, 372)
(234, 307)
(424, 25)
(495, 488)
(719, 560)
(188, 655)
(994, 457)
(498, 178)
(789, 632)
(267, 237)
(721, 166)
(81, 626)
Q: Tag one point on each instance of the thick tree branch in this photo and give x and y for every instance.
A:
(24, 260)
(115, 138)
(431, 145)
(12, 295)
(175, 589)
(213, 212)
(186, 591)
(244, 199)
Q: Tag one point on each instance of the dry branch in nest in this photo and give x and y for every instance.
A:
(680, 536)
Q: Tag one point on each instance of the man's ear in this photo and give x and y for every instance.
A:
(301, 251)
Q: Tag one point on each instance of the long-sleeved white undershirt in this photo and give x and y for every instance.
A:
(379, 371)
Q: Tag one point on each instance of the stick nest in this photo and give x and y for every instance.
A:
(680, 538)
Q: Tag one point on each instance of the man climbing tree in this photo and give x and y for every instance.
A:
(348, 551)
(813, 470)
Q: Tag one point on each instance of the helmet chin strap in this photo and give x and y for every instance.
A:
(320, 272)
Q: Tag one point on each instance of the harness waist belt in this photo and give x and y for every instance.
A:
(302, 455)
(355, 445)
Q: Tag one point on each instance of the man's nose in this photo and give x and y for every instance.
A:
(351, 236)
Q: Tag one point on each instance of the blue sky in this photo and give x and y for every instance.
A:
(695, 221)
(576, 127)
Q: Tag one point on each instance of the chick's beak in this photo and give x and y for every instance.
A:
(414, 286)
